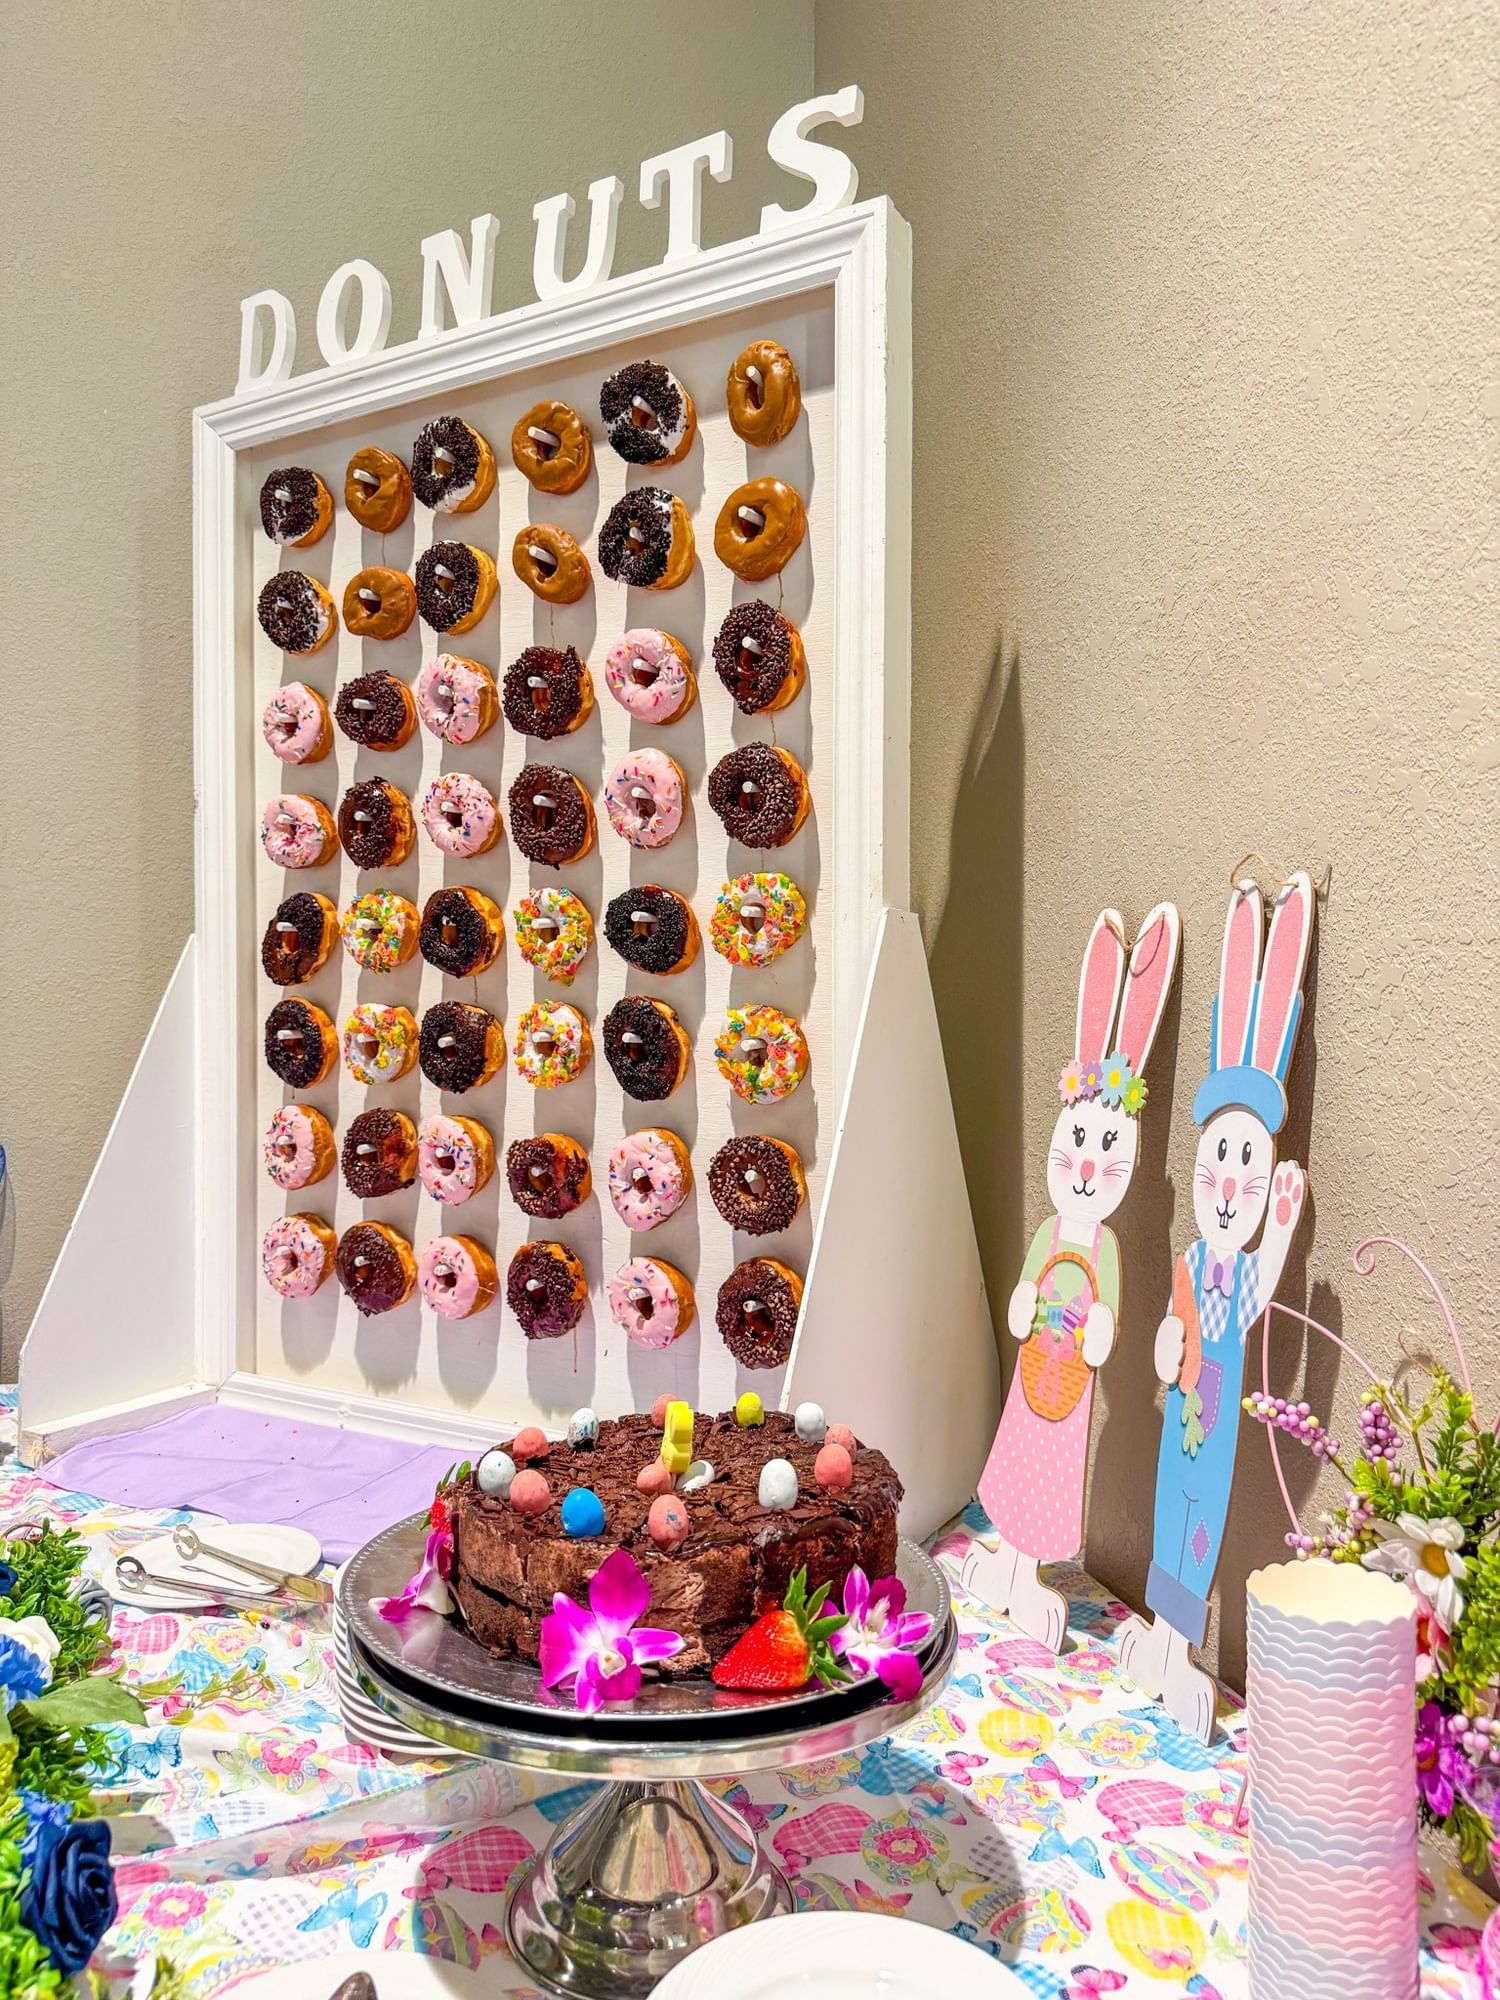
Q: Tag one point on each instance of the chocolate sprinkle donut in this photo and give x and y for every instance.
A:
(743, 1209)
(648, 1069)
(648, 509)
(566, 830)
(394, 1138)
(284, 967)
(460, 1065)
(549, 710)
(445, 608)
(298, 1063)
(557, 1187)
(470, 948)
(767, 817)
(454, 437)
(767, 1342)
(374, 728)
(370, 1270)
(557, 1308)
(293, 613)
(663, 941)
(290, 519)
(656, 389)
(754, 683)
(371, 842)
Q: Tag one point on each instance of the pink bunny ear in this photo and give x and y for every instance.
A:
(1099, 987)
(1280, 1007)
(1237, 969)
(1153, 961)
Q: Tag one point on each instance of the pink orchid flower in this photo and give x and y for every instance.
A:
(602, 1650)
(428, 1589)
(881, 1635)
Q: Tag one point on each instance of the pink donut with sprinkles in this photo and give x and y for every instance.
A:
(452, 1279)
(649, 1177)
(650, 1301)
(296, 831)
(298, 1146)
(647, 672)
(296, 1254)
(456, 698)
(460, 815)
(643, 796)
(450, 1161)
(295, 724)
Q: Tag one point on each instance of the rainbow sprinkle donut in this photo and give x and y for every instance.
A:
(380, 930)
(761, 1054)
(757, 918)
(552, 1044)
(380, 1043)
(553, 931)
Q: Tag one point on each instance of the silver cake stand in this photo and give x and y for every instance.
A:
(654, 1864)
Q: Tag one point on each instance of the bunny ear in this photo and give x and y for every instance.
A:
(1099, 987)
(1233, 1010)
(1280, 1007)
(1153, 961)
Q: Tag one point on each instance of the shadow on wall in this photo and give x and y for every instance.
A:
(979, 988)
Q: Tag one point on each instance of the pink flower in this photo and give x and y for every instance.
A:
(602, 1650)
(286, 1763)
(906, 1846)
(1439, 1759)
(881, 1635)
(426, 1591)
(175, 1908)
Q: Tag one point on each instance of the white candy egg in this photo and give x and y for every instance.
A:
(583, 1427)
(810, 1423)
(494, 1473)
(778, 1485)
(697, 1476)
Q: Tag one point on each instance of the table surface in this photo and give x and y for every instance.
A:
(1042, 1809)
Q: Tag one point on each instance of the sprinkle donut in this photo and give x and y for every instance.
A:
(452, 467)
(757, 918)
(648, 416)
(298, 1147)
(646, 542)
(298, 939)
(456, 698)
(553, 933)
(462, 932)
(649, 675)
(761, 1054)
(376, 1267)
(455, 1157)
(462, 1045)
(296, 1254)
(456, 1277)
(299, 1043)
(377, 489)
(552, 447)
(548, 692)
(649, 1177)
(380, 930)
(376, 827)
(757, 1312)
(650, 1301)
(759, 656)
(551, 815)
(380, 1154)
(646, 1047)
(295, 612)
(295, 507)
(552, 1044)
(297, 832)
(643, 796)
(652, 928)
(548, 1176)
(461, 816)
(380, 1043)
(296, 724)
(546, 1289)
(376, 711)
(757, 1184)
(456, 585)
(763, 393)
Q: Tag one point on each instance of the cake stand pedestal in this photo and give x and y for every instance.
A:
(654, 1864)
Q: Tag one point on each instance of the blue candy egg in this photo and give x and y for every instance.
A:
(582, 1513)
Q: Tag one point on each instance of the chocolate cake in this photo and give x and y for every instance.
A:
(735, 1564)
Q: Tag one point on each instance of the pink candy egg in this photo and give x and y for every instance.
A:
(667, 1523)
(659, 1409)
(653, 1478)
(530, 1493)
(833, 1467)
(529, 1443)
(841, 1434)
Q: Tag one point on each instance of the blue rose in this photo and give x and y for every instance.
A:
(23, 1672)
(68, 1901)
(7, 1579)
(40, 1811)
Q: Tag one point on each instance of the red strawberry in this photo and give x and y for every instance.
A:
(439, 1516)
(785, 1649)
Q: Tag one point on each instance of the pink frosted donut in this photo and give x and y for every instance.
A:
(649, 1177)
(298, 1146)
(456, 698)
(647, 673)
(296, 1255)
(295, 724)
(455, 1158)
(453, 1278)
(650, 1301)
(460, 816)
(296, 831)
(643, 796)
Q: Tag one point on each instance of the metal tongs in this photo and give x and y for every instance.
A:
(133, 1575)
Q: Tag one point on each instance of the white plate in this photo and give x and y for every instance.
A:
(398, 1975)
(291, 1549)
(839, 1955)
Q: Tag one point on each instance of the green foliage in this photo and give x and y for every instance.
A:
(45, 1568)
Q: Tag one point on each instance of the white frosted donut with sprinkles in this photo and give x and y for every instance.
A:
(650, 1301)
(296, 1254)
(648, 674)
(553, 1044)
(461, 816)
(296, 831)
(456, 698)
(649, 1177)
(296, 724)
(298, 1146)
(643, 796)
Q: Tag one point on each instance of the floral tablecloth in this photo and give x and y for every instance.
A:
(1042, 1809)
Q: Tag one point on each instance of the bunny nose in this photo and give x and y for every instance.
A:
(1086, 1170)
(1228, 1189)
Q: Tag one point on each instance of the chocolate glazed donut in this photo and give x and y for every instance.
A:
(757, 1312)
(547, 692)
(376, 711)
(551, 819)
(460, 932)
(760, 794)
(298, 938)
(380, 1154)
(300, 1044)
(757, 1184)
(375, 1266)
(645, 1047)
(295, 612)
(457, 1045)
(758, 656)
(295, 506)
(376, 828)
(546, 1290)
(548, 1176)
(455, 586)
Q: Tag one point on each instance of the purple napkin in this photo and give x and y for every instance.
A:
(342, 1486)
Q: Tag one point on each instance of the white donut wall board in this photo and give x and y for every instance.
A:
(894, 1337)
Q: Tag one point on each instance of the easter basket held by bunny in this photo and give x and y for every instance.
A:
(1054, 1373)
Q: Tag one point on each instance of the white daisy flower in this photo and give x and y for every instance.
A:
(1426, 1554)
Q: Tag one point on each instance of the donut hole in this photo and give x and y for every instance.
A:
(644, 673)
(543, 562)
(642, 416)
(754, 1183)
(444, 582)
(547, 444)
(755, 387)
(643, 922)
(752, 916)
(543, 811)
(641, 1299)
(752, 797)
(642, 801)
(540, 692)
(446, 1162)
(443, 1278)
(544, 1040)
(749, 523)
(757, 1319)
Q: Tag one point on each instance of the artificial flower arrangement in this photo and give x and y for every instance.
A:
(1423, 1505)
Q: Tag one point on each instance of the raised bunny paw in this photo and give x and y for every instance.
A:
(1288, 1191)
(1098, 1334)
(1021, 1311)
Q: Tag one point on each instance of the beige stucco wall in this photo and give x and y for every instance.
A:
(1206, 415)
(161, 161)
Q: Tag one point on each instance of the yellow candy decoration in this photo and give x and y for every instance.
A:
(677, 1438)
(749, 1411)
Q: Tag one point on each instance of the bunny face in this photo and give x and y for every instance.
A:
(1232, 1179)
(1090, 1160)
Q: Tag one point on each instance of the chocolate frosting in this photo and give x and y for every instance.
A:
(461, 1065)
(393, 1164)
(564, 1168)
(289, 520)
(647, 1070)
(462, 447)
(767, 817)
(648, 509)
(472, 946)
(441, 603)
(558, 1307)
(757, 687)
(297, 1063)
(754, 1214)
(563, 672)
(371, 1270)
(664, 943)
(564, 838)
(757, 1280)
(289, 956)
(371, 843)
(292, 612)
(656, 389)
(380, 727)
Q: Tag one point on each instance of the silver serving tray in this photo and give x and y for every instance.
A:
(433, 1664)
